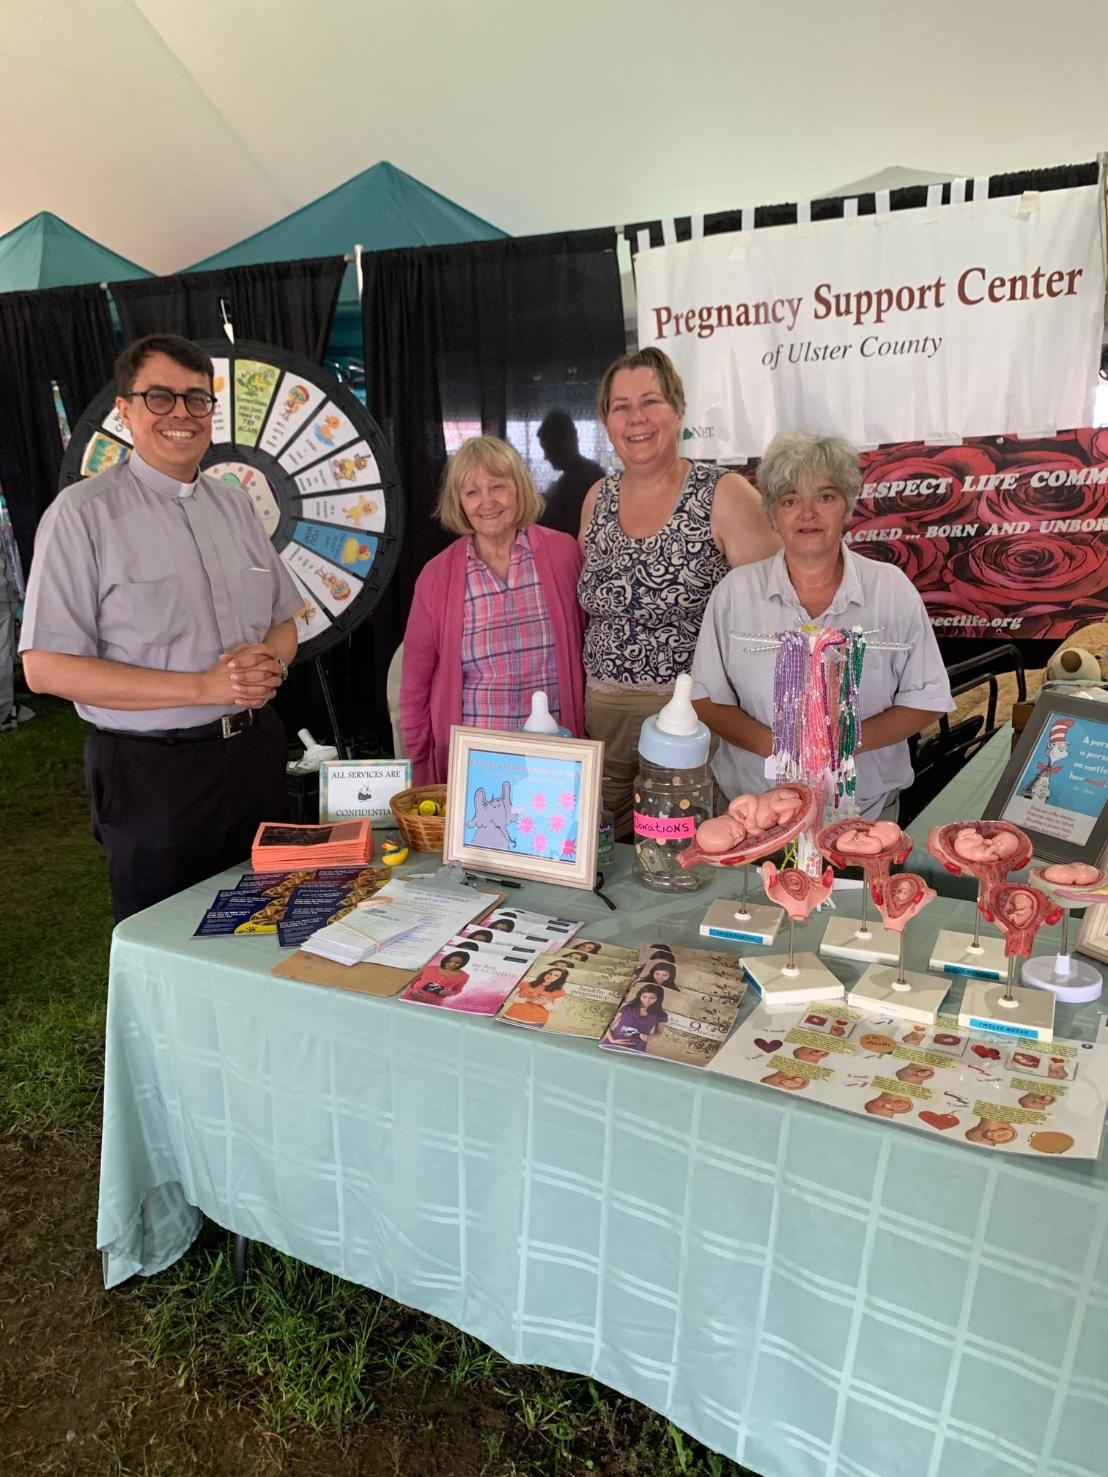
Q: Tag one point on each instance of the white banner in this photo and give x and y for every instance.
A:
(930, 324)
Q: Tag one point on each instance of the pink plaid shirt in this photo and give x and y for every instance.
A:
(507, 642)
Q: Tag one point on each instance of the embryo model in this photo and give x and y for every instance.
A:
(795, 891)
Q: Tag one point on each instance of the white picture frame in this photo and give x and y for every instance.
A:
(1092, 937)
(356, 789)
(524, 806)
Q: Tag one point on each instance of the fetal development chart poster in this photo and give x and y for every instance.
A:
(992, 1093)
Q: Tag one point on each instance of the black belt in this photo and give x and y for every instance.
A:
(226, 727)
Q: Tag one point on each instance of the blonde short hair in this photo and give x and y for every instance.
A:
(498, 459)
(659, 364)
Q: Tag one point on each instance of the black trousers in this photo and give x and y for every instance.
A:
(169, 813)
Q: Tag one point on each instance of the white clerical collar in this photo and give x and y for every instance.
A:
(159, 481)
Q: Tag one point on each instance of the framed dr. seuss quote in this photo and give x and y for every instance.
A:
(1055, 786)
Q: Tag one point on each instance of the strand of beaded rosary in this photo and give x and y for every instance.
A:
(790, 677)
(850, 721)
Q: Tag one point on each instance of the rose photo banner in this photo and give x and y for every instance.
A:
(932, 324)
(1001, 537)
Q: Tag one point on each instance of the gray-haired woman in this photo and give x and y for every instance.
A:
(809, 485)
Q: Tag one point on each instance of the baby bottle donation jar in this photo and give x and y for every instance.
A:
(673, 793)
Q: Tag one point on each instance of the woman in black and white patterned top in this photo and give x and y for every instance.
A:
(657, 538)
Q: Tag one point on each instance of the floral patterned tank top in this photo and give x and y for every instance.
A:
(645, 597)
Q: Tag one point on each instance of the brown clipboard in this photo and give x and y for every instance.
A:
(367, 978)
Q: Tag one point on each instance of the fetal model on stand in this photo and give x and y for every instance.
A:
(751, 827)
(915, 997)
(1070, 885)
(1020, 910)
(876, 847)
(789, 979)
(989, 851)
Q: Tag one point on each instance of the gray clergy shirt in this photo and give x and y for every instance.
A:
(760, 600)
(135, 567)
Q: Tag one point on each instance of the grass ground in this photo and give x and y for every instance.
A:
(185, 1375)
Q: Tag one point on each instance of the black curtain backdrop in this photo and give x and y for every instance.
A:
(485, 337)
(62, 334)
(288, 304)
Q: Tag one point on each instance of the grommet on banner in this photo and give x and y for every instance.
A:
(669, 233)
(957, 192)
(696, 227)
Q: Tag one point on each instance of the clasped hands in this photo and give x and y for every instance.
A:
(247, 675)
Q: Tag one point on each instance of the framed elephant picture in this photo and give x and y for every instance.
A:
(523, 805)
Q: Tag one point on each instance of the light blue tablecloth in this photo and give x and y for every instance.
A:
(811, 1293)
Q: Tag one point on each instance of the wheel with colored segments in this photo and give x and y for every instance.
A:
(313, 461)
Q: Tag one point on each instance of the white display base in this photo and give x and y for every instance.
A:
(1032, 1016)
(810, 980)
(722, 921)
(953, 953)
(920, 1002)
(1068, 979)
(841, 940)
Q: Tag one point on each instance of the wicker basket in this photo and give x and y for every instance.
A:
(421, 832)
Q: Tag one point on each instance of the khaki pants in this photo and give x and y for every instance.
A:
(616, 717)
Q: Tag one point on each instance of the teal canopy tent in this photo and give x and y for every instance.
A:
(46, 251)
(381, 208)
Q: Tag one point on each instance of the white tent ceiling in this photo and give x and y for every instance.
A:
(169, 129)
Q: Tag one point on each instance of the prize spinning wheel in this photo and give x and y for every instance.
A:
(312, 460)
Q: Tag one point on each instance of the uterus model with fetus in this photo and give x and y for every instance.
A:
(903, 896)
(752, 826)
(987, 850)
(874, 846)
(1068, 885)
(1019, 911)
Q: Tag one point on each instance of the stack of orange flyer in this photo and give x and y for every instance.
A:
(283, 848)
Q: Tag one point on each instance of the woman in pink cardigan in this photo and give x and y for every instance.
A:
(494, 617)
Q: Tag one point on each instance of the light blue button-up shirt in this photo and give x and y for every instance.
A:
(135, 567)
(759, 599)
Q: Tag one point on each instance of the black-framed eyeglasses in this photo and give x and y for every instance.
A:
(160, 401)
